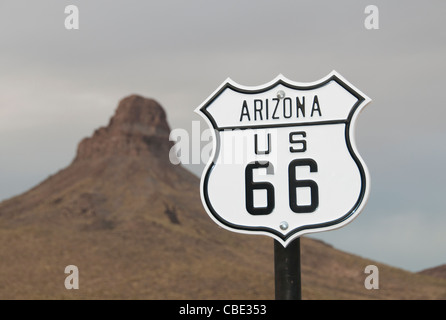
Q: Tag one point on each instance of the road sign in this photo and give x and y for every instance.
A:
(284, 160)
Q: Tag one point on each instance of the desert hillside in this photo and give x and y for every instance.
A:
(439, 271)
(133, 224)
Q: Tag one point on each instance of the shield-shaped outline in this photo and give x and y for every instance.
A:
(362, 101)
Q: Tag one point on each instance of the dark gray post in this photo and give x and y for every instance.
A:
(287, 271)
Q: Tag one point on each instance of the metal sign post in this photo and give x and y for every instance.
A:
(287, 273)
(284, 163)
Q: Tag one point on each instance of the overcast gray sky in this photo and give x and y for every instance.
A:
(58, 85)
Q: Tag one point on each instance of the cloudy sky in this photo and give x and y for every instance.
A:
(58, 85)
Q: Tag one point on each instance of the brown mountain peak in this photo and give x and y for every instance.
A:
(136, 112)
(138, 127)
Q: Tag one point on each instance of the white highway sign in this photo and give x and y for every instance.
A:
(284, 160)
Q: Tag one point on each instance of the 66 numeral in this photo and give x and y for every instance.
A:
(293, 184)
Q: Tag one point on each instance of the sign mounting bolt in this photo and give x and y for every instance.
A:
(280, 94)
(283, 225)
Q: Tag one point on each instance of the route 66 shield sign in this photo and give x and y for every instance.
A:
(284, 160)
